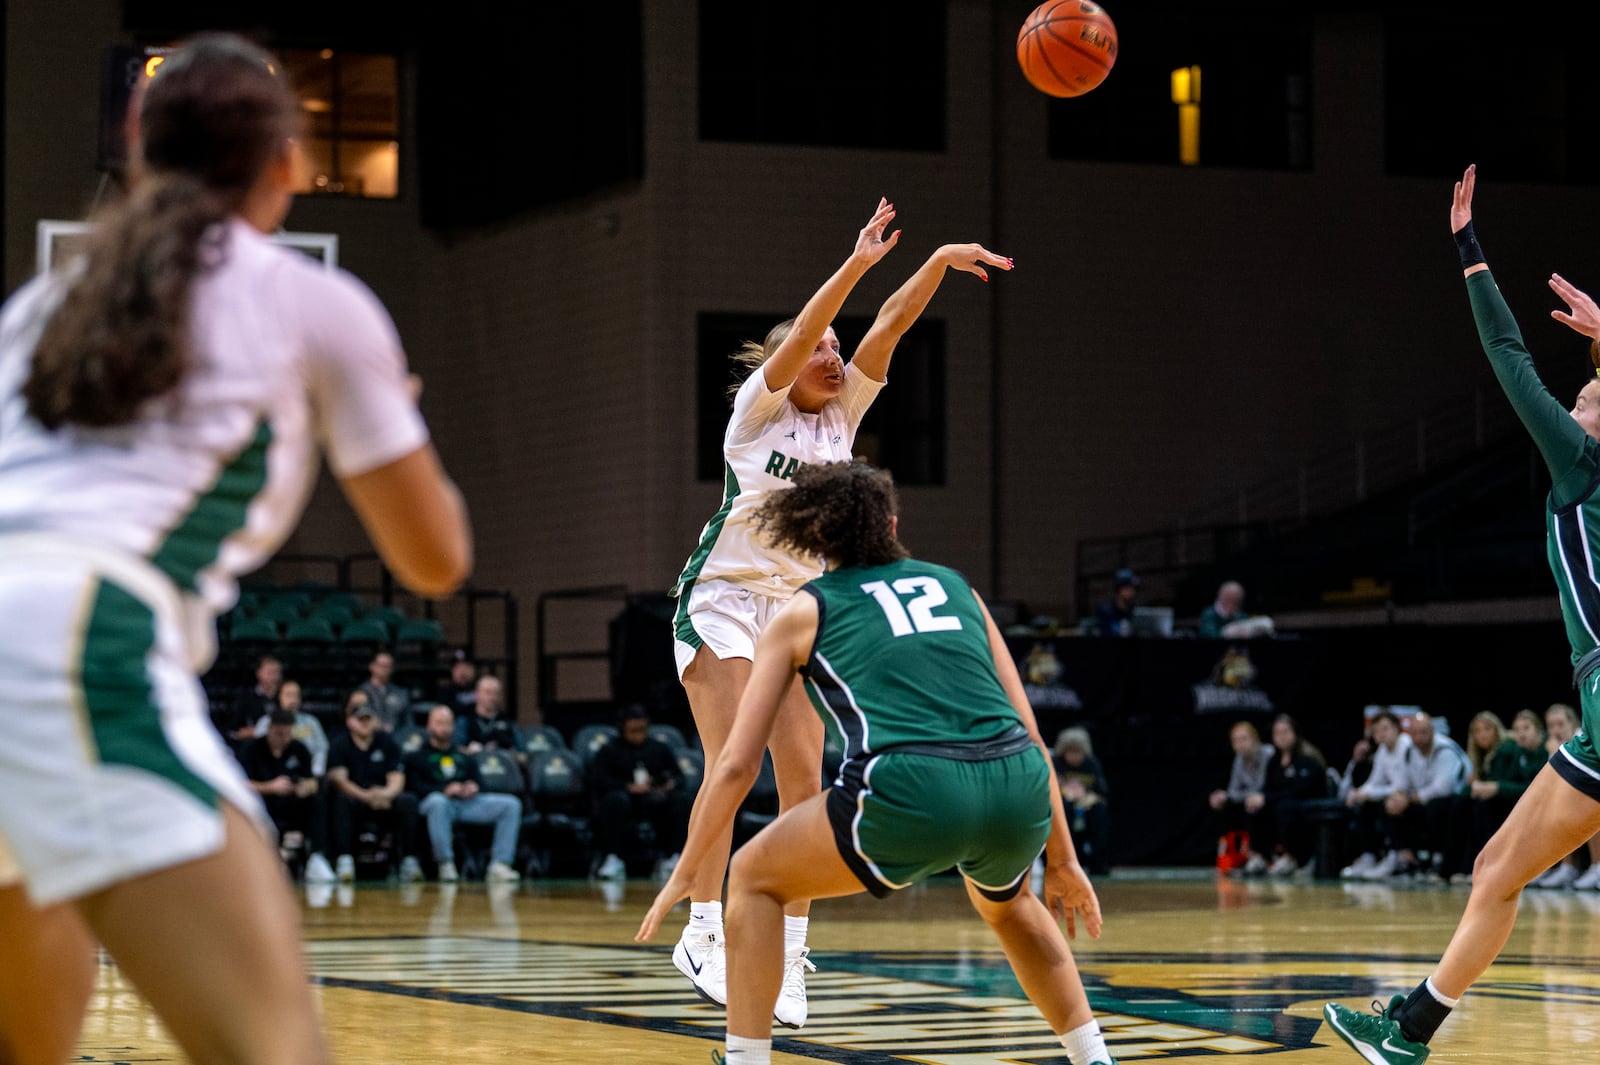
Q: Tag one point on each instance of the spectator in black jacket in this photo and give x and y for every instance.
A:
(481, 727)
(1296, 774)
(238, 721)
(636, 779)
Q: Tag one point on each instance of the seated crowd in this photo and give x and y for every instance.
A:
(1411, 802)
(398, 786)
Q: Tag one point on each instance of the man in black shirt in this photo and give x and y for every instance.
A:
(481, 725)
(461, 690)
(637, 779)
(278, 767)
(366, 792)
(237, 721)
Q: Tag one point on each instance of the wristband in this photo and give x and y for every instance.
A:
(1467, 247)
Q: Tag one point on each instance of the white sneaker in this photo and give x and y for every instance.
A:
(665, 867)
(1282, 865)
(1590, 879)
(790, 1009)
(703, 959)
(447, 873)
(410, 870)
(1359, 868)
(1561, 876)
(1384, 868)
(501, 873)
(345, 867)
(1256, 866)
(613, 868)
(318, 871)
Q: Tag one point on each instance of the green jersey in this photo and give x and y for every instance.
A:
(902, 657)
(1572, 519)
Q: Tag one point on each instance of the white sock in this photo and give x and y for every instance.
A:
(794, 932)
(1439, 996)
(1086, 1044)
(705, 918)
(742, 1051)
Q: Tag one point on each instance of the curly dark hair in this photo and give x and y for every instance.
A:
(840, 511)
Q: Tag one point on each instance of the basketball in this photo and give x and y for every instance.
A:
(1067, 47)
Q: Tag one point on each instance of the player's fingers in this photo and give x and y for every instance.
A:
(1092, 924)
(647, 927)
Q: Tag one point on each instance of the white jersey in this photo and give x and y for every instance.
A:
(767, 440)
(207, 482)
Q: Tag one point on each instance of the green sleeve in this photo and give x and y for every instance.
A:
(1557, 436)
(1210, 625)
(1513, 771)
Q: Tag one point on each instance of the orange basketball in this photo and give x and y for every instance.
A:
(1067, 47)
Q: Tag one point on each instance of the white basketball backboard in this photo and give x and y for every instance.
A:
(55, 240)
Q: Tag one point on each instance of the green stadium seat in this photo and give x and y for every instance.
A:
(337, 614)
(310, 631)
(670, 735)
(254, 630)
(365, 631)
(391, 616)
(426, 633)
(347, 600)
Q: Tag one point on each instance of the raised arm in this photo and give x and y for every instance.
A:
(820, 310)
(1581, 315)
(911, 298)
(1559, 438)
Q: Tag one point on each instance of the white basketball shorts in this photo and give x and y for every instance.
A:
(110, 767)
(722, 616)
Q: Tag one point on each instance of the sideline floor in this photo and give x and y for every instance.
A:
(1188, 966)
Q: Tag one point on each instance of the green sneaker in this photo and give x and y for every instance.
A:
(1376, 1037)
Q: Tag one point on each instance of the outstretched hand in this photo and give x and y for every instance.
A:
(969, 257)
(1069, 895)
(870, 244)
(1461, 204)
(674, 891)
(1583, 315)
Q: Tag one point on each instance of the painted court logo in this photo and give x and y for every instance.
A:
(870, 1008)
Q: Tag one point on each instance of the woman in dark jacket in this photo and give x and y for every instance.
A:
(1296, 774)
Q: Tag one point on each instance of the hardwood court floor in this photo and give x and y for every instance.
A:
(1188, 966)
